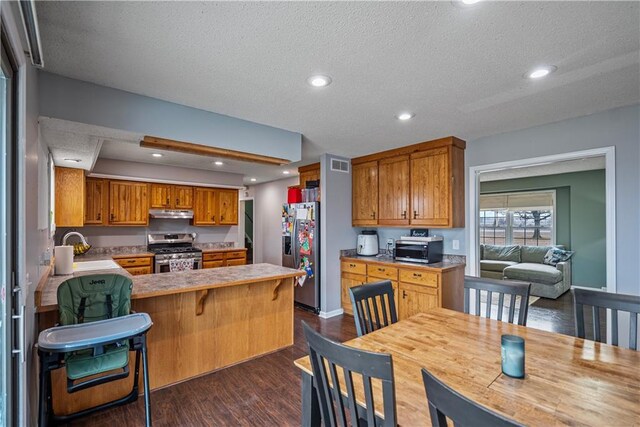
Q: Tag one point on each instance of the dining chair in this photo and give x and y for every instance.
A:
(336, 368)
(374, 306)
(502, 288)
(608, 301)
(445, 402)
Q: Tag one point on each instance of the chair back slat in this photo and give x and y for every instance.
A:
(614, 303)
(373, 305)
(595, 313)
(332, 397)
(444, 402)
(502, 288)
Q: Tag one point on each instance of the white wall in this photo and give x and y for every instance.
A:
(619, 127)
(336, 232)
(268, 201)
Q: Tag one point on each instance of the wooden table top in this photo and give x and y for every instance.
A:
(568, 381)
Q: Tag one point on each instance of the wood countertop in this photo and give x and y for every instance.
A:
(152, 285)
(388, 261)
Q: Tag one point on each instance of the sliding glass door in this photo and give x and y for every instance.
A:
(8, 217)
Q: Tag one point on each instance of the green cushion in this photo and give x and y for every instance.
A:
(535, 253)
(82, 364)
(532, 272)
(491, 265)
(502, 253)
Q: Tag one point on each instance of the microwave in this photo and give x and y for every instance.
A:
(426, 250)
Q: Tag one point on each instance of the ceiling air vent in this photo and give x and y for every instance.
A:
(340, 165)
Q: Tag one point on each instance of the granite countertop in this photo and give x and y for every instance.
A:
(151, 285)
(388, 260)
(209, 250)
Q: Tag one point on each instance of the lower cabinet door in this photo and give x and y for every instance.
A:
(212, 264)
(348, 281)
(136, 271)
(414, 299)
(236, 261)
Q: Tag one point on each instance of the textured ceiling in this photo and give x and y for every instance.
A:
(459, 69)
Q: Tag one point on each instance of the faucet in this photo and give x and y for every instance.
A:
(74, 233)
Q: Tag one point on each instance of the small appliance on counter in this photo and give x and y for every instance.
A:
(367, 243)
(425, 250)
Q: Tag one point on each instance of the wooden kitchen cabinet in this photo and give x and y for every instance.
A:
(416, 299)
(224, 258)
(205, 206)
(418, 185)
(136, 265)
(160, 196)
(166, 196)
(182, 196)
(309, 173)
(69, 197)
(364, 208)
(128, 203)
(96, 207)
(227, 207)
(393, 191)
(347, 281)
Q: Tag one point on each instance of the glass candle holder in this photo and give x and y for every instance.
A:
(513, 356)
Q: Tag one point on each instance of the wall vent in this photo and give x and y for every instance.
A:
(340, 165)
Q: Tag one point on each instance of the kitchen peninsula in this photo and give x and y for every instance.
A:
(203, 320)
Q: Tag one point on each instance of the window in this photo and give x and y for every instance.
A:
(525, 218)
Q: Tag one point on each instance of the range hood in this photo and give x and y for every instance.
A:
(171, 213)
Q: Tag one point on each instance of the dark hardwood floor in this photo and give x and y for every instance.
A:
(266, 391)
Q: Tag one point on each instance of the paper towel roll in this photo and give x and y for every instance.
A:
(64, 260)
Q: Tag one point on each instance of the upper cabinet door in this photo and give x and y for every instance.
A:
(393, 194)
(69, 192)
(96, 202)
(182, 197)
(160, 196)
(228, 207)
(128, 203)
(204, 208)
(431, 188)
(365, 194)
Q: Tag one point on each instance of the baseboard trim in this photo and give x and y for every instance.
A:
(328, 314)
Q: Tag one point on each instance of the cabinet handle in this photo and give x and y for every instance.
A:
(404, 294)
(167, 201)
(221, 218)
(381, 270)
(352, 265)
(213, 218)
(415, 214)
(373, 215)
(99, 216)
(113, 217)
(177, 201)
(417, 275)
(404, 215)
(131, 261)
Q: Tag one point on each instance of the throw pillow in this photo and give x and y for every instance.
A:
(556, 255)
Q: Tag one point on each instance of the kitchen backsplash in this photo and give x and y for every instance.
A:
(449, 234)
(445, 257)
(137, 236)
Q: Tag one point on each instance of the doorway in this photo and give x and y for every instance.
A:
(8, 235)
(247, 227)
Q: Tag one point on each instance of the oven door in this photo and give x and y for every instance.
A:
(162, 266)
(411, 252)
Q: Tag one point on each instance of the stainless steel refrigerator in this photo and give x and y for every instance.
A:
(301, 250)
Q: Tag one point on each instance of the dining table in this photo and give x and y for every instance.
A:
(568, 380)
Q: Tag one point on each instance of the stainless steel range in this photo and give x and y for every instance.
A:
(170, 246)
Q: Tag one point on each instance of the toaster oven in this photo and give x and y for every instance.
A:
(426, 250)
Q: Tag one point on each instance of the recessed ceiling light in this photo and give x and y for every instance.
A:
(72, 160)
(541, 72)
(157, 155)
(253, 180)
(286, 172)
(470, 2)
(405, 116)
(319, 80)
(218, 163)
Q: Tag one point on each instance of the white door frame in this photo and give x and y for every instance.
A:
(610, 199)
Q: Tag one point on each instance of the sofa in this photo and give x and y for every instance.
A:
(526, 264)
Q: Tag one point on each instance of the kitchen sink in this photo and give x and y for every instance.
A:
(106, 264)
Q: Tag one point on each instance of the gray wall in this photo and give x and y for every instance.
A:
(74, 100)
(336, 233)
(618, 127)
(164, 172)
(268, 201)
(580, 218)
